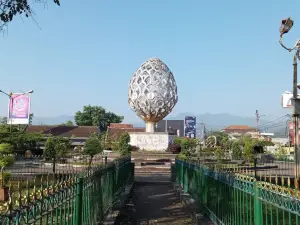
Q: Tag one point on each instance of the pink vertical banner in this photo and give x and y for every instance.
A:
(19, 109)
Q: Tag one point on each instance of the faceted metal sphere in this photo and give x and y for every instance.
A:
(152, 91)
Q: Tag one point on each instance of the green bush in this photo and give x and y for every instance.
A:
(123, 144)
(7, 160)
(182, 156)
(4, 179)
(6, 148)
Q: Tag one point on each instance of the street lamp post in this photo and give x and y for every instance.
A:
(10, 96)
(285, 27)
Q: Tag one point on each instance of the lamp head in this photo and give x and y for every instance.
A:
(30, 92)
(286, 25)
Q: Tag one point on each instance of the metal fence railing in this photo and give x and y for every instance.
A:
(267, 168)
(67, 198)
(24, 167)
(237, 199)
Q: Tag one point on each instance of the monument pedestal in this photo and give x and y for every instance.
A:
(158, 141)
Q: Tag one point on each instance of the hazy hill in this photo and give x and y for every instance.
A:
(51, 120)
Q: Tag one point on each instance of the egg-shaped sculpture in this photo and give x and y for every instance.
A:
(152, 92)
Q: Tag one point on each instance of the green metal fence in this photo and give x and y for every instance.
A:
(68, 199)
(236, 199)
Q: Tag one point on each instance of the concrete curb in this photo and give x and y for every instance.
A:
(191, 206)
(115, 211)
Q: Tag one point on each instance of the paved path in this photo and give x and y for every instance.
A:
(154, 203)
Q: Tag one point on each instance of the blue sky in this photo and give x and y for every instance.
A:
(225, 55)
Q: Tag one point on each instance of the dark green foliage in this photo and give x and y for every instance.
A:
(219, 153)
(7, 160)
(69, 123)
(56, 147)
(5, 178)
(11, 8)
(92, 147)
(237, 151)
(6, 148)
(96, 116)
(187, 146)
(19, 140)
(123, 144)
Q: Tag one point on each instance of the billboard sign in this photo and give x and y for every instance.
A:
(190, 126)
(19, 109)
(286, 99)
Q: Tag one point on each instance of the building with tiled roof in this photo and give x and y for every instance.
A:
(62, 130)
(239, 129)
(77, 134)
(114, 131)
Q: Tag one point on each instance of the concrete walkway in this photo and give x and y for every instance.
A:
(154, 203)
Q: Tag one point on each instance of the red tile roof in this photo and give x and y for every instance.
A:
(115, 133)
(239, 127)
(120, 125)
(64, 131)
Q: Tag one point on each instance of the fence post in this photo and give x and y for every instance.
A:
(182, 174)
(203, 187)
(78, 201)
(258, 220)
(132, 171)
(186, 179)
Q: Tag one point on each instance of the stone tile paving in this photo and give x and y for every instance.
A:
(158, 204)
(155, 203)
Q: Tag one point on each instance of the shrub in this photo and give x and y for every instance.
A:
(174, 148)
(182, 156)
(5, 178)
(177, 140)
(6, 148)
(7, 160)
(92, 147)
(123, 144)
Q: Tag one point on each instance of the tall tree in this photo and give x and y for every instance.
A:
(30, 118)
(69, 123)
(236, 150)
(3, 120)
(11, 8)
(123, 144)
(56, 147)
(92, 147)
(96, 116)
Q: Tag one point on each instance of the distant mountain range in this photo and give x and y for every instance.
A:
(51, 120)
(211, 121)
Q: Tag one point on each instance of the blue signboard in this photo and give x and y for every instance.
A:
(190, 126)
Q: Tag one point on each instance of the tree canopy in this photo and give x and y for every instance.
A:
(9, 9)
(92, 147)
(56, 147)
(20, 141)
(69, 123)
(6, 148)
(123, 144)
(96, 116)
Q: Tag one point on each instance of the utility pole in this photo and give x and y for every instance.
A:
(257, 121)
(286, 25)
